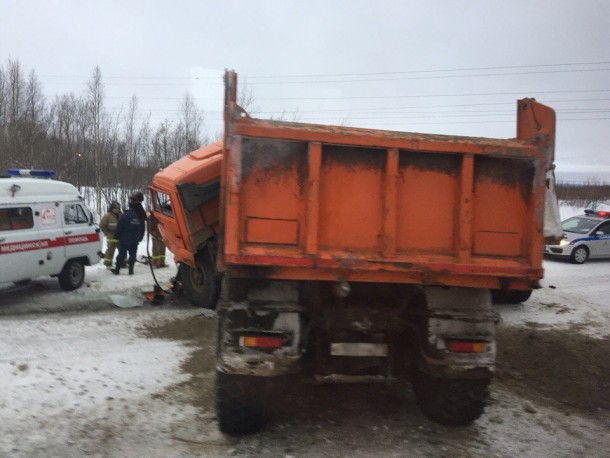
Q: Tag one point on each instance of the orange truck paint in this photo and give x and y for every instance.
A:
(358, 240)
(314, 202)
(187, 229)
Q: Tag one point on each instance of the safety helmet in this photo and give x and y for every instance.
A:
(114, 204)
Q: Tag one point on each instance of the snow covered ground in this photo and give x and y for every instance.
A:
(100, 380)
(99, 286)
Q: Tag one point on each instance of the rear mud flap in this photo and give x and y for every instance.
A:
(458, 315)
(239, 321)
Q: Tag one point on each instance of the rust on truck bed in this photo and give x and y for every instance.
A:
(314, 202)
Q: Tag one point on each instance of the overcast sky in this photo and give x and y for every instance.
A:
(446, 66)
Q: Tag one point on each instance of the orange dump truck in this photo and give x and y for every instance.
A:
(351, 254)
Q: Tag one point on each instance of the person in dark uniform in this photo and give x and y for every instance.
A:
(129, 232)
(137, 200)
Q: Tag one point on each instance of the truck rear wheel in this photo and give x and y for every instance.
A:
(519, 296)
(237, 411)
(451, 402)
(72, 275)
(200, 285)
(510, 296)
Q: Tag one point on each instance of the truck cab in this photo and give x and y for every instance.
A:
(185, 202)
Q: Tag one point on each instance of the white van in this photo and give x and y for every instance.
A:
(45, 229)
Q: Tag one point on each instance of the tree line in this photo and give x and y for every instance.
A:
(107, 154)
(581, 195)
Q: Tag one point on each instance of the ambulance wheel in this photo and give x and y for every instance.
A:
(237, 411)
(200, 282)
(450, 402)
(72, 275)
(579, 255)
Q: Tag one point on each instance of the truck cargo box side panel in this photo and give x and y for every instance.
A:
(502, 191)
(351, 198)
(272, 191)
(428, 189)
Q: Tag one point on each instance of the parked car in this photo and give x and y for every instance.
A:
(585, 236)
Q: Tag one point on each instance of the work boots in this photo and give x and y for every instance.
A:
(116, 270)
(130, 270)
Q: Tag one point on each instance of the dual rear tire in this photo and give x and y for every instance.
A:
(510, 296)
(238, 403)
(450, 402)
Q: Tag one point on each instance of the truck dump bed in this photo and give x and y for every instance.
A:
(315, 202)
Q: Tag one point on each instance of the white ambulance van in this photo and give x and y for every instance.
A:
(45, 229)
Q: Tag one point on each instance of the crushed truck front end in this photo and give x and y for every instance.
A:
(185, 202)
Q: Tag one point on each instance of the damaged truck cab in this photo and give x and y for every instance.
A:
(351, 254)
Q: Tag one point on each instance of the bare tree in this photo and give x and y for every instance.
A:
(191, 120)
(245, 99)
(34, 122)
(107, 155)
(4, 154)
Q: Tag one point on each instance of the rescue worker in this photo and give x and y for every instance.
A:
(137, 200)
(108, 226)
(129, 232)
(158, 247)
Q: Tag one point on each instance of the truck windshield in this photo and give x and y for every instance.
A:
(579, 225)
(162, 203)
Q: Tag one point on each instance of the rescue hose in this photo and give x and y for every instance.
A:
(152, 270)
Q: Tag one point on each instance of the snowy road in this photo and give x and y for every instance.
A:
(103, 381)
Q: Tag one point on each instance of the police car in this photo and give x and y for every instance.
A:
(45, 229)
(585, 237)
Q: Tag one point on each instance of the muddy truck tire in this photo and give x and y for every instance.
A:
(237, 409)
(510, 296)
(200, 283)
(450, 402)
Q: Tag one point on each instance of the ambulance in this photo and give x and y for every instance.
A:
(45, 229)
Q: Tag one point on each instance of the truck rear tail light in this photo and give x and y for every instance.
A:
(463, 346)
(260, 341)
